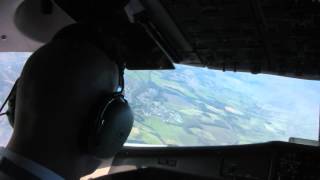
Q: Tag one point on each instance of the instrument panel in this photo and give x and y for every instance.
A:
(267, 161)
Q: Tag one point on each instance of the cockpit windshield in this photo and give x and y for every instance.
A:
(193, 106)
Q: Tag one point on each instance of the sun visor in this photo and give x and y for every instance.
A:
(141, 48)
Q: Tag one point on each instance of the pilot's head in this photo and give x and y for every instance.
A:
(58, 92)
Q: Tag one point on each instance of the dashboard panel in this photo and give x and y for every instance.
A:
(267, 161)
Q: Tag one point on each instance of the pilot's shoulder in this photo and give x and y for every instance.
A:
(5, 177)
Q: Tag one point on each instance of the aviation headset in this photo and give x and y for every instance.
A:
(108, 132)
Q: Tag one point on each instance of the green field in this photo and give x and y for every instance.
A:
(195, 107)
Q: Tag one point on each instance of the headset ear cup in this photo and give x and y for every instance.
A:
(12, 104)
(115, 126)
(11, 108)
